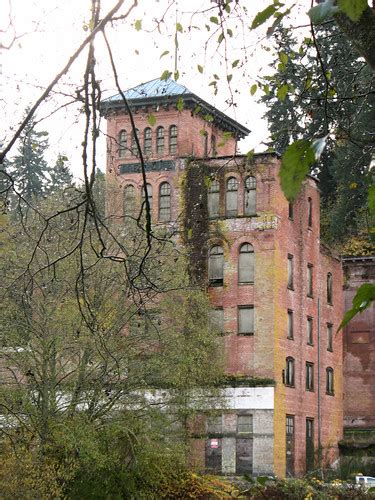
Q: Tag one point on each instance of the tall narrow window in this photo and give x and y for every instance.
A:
(231, 197)
(216, 266)
(329, 288)
(122, 143)
(310, 332)
(309, 212)
(290, 438)
(213, 200)
(216, 318)
(149, 195)
(329, 381)
(309, 376)
(160, 140)
(246, 320)
(290, 210)
(147, 141)
(134, 143)
(290, 272)
(289, 372)
(329, 337)
(213, 145)
(165, 202)
(129, 200)
(250, 196)
(310, 455)
(290, 325)
(172, 139)
(310, 280)
(246, 264)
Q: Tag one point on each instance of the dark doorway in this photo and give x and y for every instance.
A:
(244, 456)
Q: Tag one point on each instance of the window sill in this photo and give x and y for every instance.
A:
(290, 338)
(330, 393)
(250, 334)
(310, 344)
(290, 386)
(310, 390)
(215, 284)
(290, 287)
(310, 296)
(330, 304)
(244, 283)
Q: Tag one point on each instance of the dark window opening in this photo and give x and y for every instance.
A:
(216, 266)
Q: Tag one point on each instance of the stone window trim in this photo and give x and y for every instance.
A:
(309, 376)
(330, 390)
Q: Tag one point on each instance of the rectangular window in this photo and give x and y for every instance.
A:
(217, 319)
(244, 424)
(329, 382)
(290, 271)
(246, 320)
(310, 454)
(290, 325)
(291, 211)
(309, 280)
(309, 376)
(309, 212)
(329, 337)
(310, 331)
(289, 428)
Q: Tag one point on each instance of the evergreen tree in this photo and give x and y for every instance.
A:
(304, 102)
(29, 168)
(61, 176)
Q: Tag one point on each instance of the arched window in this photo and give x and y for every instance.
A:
(164, 202)
(216, 266)
(129, 200)
(309, 212)
(231, 197)
(289, 372)
(246, 264)
(172, 139)
(122, 143)
(149, 195)
(213, 199)
(329, 288)
(160, 140)
(250, 195)
(147, 141)
(329, 381)
(134, 143)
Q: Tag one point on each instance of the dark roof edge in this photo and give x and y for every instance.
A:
(107, 105)
(356, 258)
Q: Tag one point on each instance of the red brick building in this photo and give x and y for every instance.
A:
(276, 293)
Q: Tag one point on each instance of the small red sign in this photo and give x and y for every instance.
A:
(214, 443)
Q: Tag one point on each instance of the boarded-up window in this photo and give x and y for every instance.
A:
(217, 319)
(129, 200)
(172, 139)
(289, 372)
(329, 337)
(250, 195)
(160, 140)
(290, 325)
(231, 197)
(147, 145)
(216, 266)
(246, 264)
(134, 143)
(165, 202)
(244, 424)
(329, 288)
(122, 143)
(214, 199)
(309, 280)
(246, 320)
(149, 194)
(310, 331)
(290, 272)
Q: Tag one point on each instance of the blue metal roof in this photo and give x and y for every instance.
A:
(153, 88)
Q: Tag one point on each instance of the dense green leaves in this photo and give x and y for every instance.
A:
(262, 16)
(151, 120)
(352, 8)
(364, 296)
(295, 165)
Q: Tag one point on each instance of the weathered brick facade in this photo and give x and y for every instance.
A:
(211, 191)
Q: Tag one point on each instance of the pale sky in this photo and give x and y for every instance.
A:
(50, 30)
